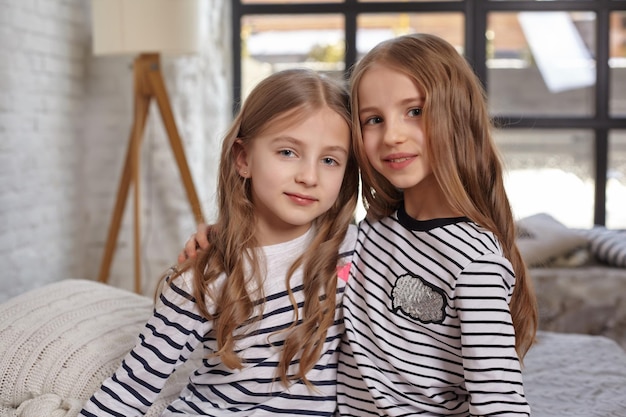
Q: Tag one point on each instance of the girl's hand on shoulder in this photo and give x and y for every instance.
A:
(198, 240)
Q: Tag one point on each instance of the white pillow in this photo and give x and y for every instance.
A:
(542, 240)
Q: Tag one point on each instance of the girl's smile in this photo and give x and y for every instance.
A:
(399, 161)
(301, 200)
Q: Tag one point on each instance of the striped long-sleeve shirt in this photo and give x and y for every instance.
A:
(176, 329)
(428, 326)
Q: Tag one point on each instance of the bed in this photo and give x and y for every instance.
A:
(58, 342)
(575, 375)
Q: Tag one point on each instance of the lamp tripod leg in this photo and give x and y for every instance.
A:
(118, 211)
(142, 105)
(160, 94)
(128, 175)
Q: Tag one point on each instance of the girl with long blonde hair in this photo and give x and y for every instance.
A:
(439, 309)
(263, 299)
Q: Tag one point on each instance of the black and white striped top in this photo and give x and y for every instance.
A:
(428, 327)
(176, 329)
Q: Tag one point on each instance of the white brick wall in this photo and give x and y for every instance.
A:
(65, 118)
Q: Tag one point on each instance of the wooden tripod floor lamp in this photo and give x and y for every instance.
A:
(145, 28)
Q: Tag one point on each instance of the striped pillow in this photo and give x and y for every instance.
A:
(608, 246)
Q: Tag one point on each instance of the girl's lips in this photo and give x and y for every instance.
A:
(398, 161)
(302, 200)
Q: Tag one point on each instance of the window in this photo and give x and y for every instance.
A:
(554, 72)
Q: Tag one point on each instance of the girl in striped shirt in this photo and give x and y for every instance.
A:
(262, 301)
(439, 310)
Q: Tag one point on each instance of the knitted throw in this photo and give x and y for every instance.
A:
(59, 342)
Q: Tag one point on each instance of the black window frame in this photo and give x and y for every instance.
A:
(476, 12)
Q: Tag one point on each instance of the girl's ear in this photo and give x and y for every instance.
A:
(241, 158)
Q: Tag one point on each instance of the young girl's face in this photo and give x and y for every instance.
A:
(296, 171)
(390, 116)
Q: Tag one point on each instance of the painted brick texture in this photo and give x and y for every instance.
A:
(65, 119)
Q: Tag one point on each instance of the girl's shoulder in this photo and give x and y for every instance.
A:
(178, 287)
(349, 241)
(346, 252)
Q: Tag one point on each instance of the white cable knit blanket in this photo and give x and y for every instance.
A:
(59, 342)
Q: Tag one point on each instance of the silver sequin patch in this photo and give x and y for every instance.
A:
(417, 299)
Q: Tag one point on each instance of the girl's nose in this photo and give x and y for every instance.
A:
(394, 133)
(307, 173)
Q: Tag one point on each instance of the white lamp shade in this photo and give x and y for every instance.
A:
(145, 26)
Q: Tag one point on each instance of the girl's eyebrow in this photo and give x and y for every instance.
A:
(411, 101)
(367, 109)
(290, 140)
(337, 149)
(296, 141)
(285, 139)
(415, 100)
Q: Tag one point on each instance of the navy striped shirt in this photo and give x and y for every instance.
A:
(428, 326)
(176, 329)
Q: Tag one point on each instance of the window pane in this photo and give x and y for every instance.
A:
(271, 43)
(374, 28)
(535, 0)
(289, 1)
(406, 1)
(616, 181)
(617, 64)
(541, 63)
(550, 171)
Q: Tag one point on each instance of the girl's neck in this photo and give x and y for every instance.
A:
(426, 201)
(268, 236)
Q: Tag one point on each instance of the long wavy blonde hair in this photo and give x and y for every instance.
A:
(467, 165)
(287, 97)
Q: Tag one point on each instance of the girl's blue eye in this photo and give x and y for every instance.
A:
(330, 161)
(415, 112)
(286, 152)
(372, 120)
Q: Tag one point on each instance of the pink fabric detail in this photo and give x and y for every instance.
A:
(343, 272)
